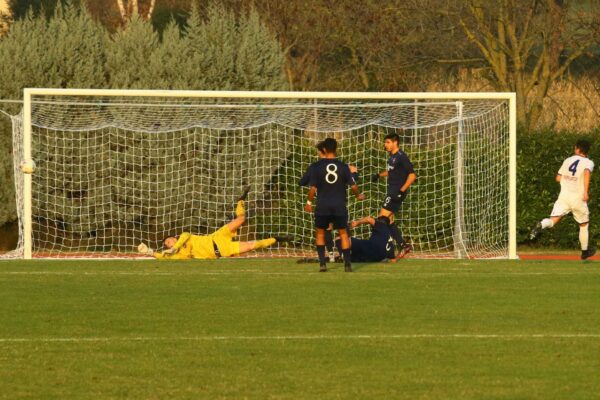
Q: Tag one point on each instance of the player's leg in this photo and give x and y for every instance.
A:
(390, 206)
(584, 235)
(261, 244)
(320, 241)
(240, 206)
(345, 245)
(329, 245)
(240, 213)
(235, 224)
(581, 214)
(560, 209)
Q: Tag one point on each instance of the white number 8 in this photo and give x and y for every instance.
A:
(331, 171)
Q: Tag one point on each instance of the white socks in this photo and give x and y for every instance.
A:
(583, 236)
(547, 223)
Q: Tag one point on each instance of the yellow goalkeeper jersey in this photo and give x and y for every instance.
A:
(191, 246)
(196, 246)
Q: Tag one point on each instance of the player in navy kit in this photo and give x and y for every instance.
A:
(400, 175)
(379, 246)
(329, 245)
(328, 180)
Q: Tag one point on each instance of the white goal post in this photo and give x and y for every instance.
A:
(115, 167)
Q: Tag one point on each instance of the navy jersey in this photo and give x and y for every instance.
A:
(331, 177)
(306, 177)
(398, 168)
(381, 236)
(378, 247)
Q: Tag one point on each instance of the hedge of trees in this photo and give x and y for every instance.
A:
(219, 50)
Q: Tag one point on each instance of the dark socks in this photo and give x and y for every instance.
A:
(397, 235)
(329, 241)
(321, 253)
(346, 254)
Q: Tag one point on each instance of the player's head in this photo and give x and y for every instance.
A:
(392, 142)
(383, 219)
(328, 146)
(169, 242)
(582, 147)
(321, 149)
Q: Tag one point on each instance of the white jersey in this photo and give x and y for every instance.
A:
(571, 172)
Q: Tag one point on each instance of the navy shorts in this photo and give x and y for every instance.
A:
(338, 221)
(393, 202)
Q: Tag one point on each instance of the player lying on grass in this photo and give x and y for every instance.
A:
(379, 246)
(215, 245)
(574, 178)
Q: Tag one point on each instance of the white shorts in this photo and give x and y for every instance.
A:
(578, 207)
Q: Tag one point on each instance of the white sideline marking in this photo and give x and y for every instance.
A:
(303, 337)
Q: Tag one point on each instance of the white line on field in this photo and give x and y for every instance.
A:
(302, 337)
(398, 274)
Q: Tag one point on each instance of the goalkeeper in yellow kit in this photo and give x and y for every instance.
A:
(213, 246)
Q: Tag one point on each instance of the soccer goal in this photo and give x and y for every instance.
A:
(99, 171)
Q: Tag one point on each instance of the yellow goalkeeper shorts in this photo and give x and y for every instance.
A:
(223, 238)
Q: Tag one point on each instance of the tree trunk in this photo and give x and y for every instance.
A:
(150, 10)
(122, 10)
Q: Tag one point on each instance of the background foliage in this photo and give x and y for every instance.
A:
(215, 49)
(540, 155)
(397, 45)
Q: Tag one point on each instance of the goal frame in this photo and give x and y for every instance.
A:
(29, 93)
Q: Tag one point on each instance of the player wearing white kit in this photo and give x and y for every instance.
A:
(574, 178)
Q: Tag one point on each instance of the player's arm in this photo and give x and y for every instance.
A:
(407, 166)
(147, 251)
(362, 221)
(184, 237)
(305, 178)
(586, 184)
(349, 179)
(312, 191)
(382, 174)
(563, 170)
(354, 172)
(356, 192)
(172, 253)
(409, 181)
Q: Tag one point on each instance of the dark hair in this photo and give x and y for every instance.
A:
(384, 219)
(394, 137)
(583, 146)
(321, 146)
(328, 145)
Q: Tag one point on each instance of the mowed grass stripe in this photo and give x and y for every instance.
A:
(263, 329)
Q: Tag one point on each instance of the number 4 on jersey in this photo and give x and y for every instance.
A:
(573, 167)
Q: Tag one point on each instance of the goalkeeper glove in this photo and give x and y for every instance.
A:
(374, 177)
(172, 250)
(145, 250)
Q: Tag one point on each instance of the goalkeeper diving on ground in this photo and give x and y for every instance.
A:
(218, 244)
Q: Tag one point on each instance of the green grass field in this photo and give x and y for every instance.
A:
(262, 329)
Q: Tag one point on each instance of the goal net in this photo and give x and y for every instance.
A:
(116, 168)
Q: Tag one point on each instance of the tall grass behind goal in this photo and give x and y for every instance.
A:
(114, 168)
